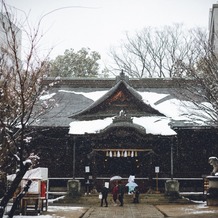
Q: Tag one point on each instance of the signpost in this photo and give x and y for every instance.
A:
(88, 177)
(157, 170)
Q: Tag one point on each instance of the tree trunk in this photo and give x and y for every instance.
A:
(18, 199)
(9, 194)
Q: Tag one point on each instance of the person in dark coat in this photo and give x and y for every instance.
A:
(104, 193)
(120, 193)
(136, 195)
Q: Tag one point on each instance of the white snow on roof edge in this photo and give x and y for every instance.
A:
(154, 125)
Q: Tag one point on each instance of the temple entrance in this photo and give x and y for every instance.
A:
(123, 148)
(122, 166)
(124, 163)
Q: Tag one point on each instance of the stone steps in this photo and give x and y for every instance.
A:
(154, 199)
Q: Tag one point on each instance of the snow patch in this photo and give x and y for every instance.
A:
(46, 97)
(91, 95)
(154, 125)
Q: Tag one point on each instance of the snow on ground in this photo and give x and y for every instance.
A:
(55, 211)
(171, 210)
(183, 210)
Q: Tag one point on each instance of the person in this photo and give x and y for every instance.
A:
(136, 195)
(120, 193)
(104, 193)
(115, 193)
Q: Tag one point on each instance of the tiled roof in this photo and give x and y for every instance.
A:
(71, 96)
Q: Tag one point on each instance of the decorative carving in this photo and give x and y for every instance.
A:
(213, 161)
(122, 76)
(122, 117)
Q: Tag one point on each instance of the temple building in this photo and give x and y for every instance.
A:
(97, 128)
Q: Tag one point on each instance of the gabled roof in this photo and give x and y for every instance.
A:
(83, 104)
(120, 97)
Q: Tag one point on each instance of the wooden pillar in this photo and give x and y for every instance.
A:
(74, 156)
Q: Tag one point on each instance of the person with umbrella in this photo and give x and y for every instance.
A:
(115, 179)
(131, 186)
(115, 193)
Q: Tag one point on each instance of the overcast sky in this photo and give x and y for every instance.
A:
(99, 24)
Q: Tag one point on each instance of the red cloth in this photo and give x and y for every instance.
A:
(43, 189)
(115, 192)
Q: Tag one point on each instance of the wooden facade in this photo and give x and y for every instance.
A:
(123, 147)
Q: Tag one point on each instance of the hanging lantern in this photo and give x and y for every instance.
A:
(132, 154)
(118, 154)
(110, 154)
(136, 154)
(128, 153)
(107, 153)
(125, 154)
(115, 153)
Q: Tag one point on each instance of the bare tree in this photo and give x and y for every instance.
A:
(21, 85)
(156, 52)
(204, 72)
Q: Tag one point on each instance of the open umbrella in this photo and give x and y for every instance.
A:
(115, 178)
(131, 184)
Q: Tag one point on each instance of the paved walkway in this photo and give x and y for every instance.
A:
(152, 211)
(127, 211)
(200, 210)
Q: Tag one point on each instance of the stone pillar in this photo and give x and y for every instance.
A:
(172, 188)
(212, 193)
(73, 188)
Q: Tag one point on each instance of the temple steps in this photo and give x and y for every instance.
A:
(155, 199)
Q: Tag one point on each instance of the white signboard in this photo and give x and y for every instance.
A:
(157, 169)
(106, 184)
(34, 187)
(87, 169)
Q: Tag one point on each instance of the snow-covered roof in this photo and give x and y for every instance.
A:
(40, 173)
(153, 125)
(177, 110)
(173, 109)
